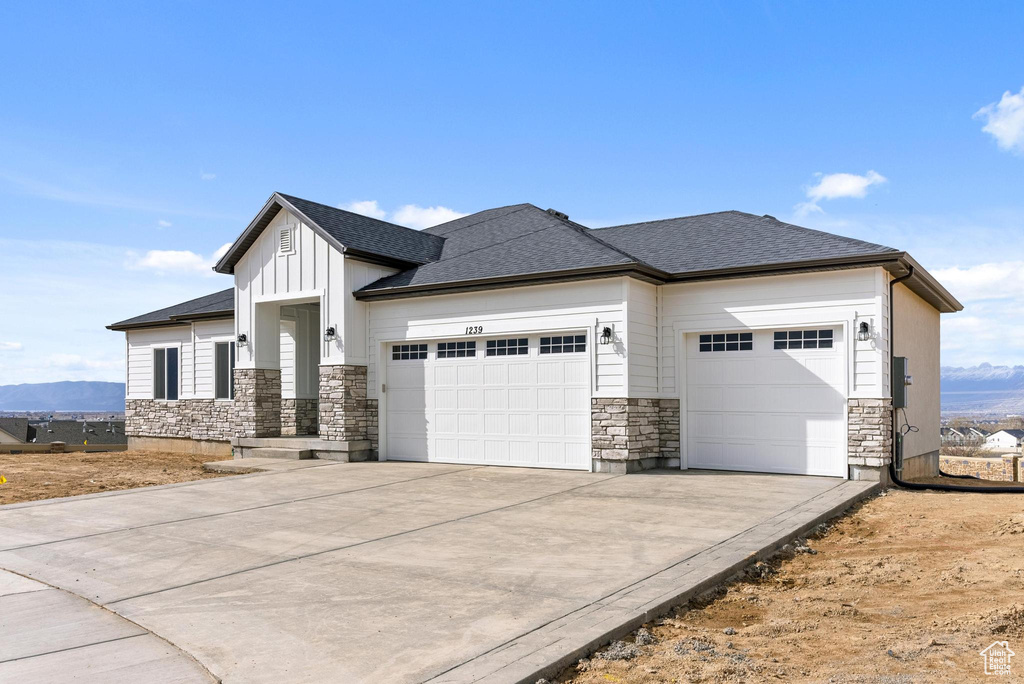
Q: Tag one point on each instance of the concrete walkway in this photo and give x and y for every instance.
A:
(49, 635)
(402, 572)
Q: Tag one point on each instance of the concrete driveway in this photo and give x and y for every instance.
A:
(393, 572)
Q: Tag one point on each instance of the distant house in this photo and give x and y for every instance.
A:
(21, 431)
(955, 436)
(80, 432)
(14, 430)
(1005, 440)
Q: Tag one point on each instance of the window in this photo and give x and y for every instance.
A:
(224, 370)
(563, 345)
(803, 339)
(451, 350)
(720, 342)
(513, 347)
(407, 352)
(165, 373)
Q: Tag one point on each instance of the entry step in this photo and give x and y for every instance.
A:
(279, 452)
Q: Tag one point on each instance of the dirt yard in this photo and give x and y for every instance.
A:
(907, 588)
(47, 476)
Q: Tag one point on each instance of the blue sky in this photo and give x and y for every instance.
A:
(137, 139)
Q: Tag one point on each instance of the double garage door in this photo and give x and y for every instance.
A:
(513, 401)
(767, 401)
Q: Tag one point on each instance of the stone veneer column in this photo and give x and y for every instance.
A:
(257, 402)
(625, 435)
(344, 415)
(668, 432)
(870, 439)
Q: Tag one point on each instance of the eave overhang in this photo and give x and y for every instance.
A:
(923, 284)
(277, 202)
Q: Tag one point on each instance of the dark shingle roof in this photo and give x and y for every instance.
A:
(1019, 434)
(16, 427)
(77, 432)
(731, 239)
(522, 239)
(210, 306)
(518, 240)
(369, 235)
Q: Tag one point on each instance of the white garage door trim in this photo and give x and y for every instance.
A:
(838, 467)
(461, 425)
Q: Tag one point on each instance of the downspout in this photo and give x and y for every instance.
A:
(894, 429)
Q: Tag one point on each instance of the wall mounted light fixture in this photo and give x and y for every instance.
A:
(330, 333)
(241, 340)
(606, 335)
(864, 331)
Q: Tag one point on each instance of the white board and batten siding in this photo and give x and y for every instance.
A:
(268, 276)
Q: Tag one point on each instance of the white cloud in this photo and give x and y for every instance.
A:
(10, 346)
(164, 224)
(997, 280)
(409, 215)
(176, 260)
(365, 208)
(835, 186)
(424, 217)
(207, 176)
(1004, 121)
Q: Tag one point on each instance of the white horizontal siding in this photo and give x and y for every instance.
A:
(567, 306)
(140, 358)
(206, 334)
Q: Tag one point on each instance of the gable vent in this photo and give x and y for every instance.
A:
(287, 241)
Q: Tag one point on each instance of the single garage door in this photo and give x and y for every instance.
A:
(513, 401)
(767, 401)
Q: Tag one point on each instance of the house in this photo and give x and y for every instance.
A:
(516, 336)
(1005, 440)
(75, 432)
(963, 435)
(15, 431)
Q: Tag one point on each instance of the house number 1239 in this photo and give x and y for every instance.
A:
(474, 329)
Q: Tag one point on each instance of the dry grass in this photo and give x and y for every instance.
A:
(908, 588)
(47, 476)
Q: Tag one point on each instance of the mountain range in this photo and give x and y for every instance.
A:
(63, 396)
(983, 389)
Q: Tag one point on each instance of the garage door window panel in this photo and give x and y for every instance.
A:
(803, 339)
(408, 352)
(723, 342)
(519, 346)
(563, 344)
(456, 350)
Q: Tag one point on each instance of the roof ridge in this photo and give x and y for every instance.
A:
(353, 213)
(677, 218)
(588, 232)
(522, 206)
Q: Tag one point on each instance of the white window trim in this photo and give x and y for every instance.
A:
(152, 379)
(214, 341)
